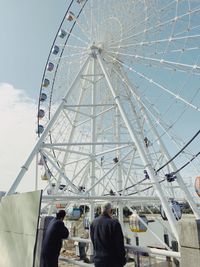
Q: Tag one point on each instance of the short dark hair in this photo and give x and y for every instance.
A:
(106, 207)
(60, 214)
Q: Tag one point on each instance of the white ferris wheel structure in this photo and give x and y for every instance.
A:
(119, 94)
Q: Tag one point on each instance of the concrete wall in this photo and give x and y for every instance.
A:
(190, 242)
(19, 215)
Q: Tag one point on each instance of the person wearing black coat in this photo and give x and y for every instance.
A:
(52, 242)
(107, 239)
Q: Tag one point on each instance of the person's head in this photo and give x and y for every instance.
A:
(60, 214)
(107, 209)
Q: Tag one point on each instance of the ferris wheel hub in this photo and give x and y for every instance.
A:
(95, 49)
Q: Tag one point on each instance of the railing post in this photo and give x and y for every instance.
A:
(166, 240)
(137, 252)
(175, 248)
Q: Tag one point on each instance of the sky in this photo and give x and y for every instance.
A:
(27, 30)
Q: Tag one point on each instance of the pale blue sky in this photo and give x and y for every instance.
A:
(27, 29)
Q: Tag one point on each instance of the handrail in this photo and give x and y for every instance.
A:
(79, 263)
(153, 251)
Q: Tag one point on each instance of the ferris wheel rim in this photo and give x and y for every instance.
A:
(48, 58)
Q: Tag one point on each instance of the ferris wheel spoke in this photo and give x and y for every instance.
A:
(75, 47)
(176, 96)
(83, 30)
(157, 118)
(73, 55)
(166, 40)
(74, 59)
(167, 64)
(77, 38)
(178, 50)
(159, 25)
(141, 22)
(172, 31)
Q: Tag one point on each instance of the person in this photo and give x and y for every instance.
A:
(107, 239)
(83, 247)
(52, 242)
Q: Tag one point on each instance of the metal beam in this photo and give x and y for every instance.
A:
(140, 149)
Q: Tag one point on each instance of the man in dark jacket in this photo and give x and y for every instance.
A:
(107, 238)
(52, 243)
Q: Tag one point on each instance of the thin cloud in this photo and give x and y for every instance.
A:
(17, 132)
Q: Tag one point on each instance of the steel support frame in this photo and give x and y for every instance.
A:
(174, 168)
(167, 156)
(39, 143)
(141, 152)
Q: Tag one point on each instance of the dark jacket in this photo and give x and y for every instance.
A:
(108, 242)
(52, 243)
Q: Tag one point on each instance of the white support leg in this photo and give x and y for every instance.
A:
(71, 137)
(119, 167)
(141, 152)
(45, 133)
(165, 152)
(174, 168)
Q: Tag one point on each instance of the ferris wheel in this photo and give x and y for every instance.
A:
(119, 99)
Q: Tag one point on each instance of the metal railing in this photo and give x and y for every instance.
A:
(144, 256)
